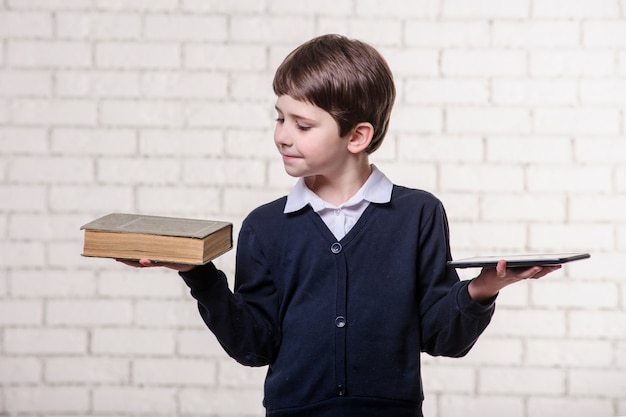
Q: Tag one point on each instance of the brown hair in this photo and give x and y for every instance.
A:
(347, 78)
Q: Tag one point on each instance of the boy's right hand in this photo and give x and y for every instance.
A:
(146, 263)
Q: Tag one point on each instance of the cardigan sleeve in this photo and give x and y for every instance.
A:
(244, 321)
(451, 321)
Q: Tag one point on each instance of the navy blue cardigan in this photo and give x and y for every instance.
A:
(341, 323)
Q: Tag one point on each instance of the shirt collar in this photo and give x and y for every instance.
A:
(377, 189)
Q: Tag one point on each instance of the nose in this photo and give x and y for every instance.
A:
(281, 137)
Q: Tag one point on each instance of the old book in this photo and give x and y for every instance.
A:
(158, 238)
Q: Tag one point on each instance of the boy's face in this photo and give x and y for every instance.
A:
(308, 139)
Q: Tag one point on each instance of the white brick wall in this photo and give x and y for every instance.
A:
(513, 112)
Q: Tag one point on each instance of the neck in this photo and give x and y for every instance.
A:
(338, 190)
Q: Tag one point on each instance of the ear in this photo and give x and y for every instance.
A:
(360, 137)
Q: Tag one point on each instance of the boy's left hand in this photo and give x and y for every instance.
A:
(491, 280)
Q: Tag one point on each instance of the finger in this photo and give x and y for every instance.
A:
(501, 268)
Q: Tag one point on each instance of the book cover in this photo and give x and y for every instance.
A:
(158, 238)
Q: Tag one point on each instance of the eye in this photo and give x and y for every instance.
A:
(280, 120)
(302, 127)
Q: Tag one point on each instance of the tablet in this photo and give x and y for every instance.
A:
(518, 261)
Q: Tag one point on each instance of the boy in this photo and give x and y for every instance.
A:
(341, 284)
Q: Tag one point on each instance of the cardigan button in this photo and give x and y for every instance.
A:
(340, 321)
(341, 390)
(335, 247)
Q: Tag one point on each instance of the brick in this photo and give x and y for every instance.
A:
(228, 114)
(134, 55)
(567, 237)
(534, 92)
(21, 313)
(575, 294)
(602, 91)
(491, 62)
(48, 400)
(520, 381)
(396, 8)
(48, 54)
(569, 178)
(178, 372)
(22, 254)
(474, 177)
(25, 170)
(175, 199)
(277, 177)
(412, 118)
(167, 313)
(232, 374)
(144, 171)
(597, 324)
(137, 5)
(52, 5)
(503, 236)
(568, 406)
(54, 112)
(584, 9)
(251, 86)
(187, 142)
(25, 83)
(268, 29)
(86, 370)
(122, 113)
(488, 120)
(594, 150)
(413, 61)
(114, 84)
(536, 34)
(135, 400)
(621, 237)
(224, 172)
(186, 28)
(568, 352)
(585, 208)
(92, 312)
(440, 148)
(449, 379)
(460, 206)
(246, 143)
(222, 401)
(481, 406)
(496, 351)
(29, 198)
(101, 142)
(527, 323)
(485, 9)
(603, 383)
(129, 283)
(93, 199)
(446, 34)
(16, 370)
(578, 121)
(25, 25)
(131, 341)
(604, 33)
(242, 6)
(184, 85)
(23, 140)
(48, 341)
(241, 201)
(528, 149)
(105, 26)
(411, 174)
(571, 63)
(35, 284)
(199, 343)
(225, 57)
(446, 91)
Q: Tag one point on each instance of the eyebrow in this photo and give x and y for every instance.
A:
(294, 115)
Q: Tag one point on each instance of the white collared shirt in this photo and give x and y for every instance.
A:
(340, 219)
